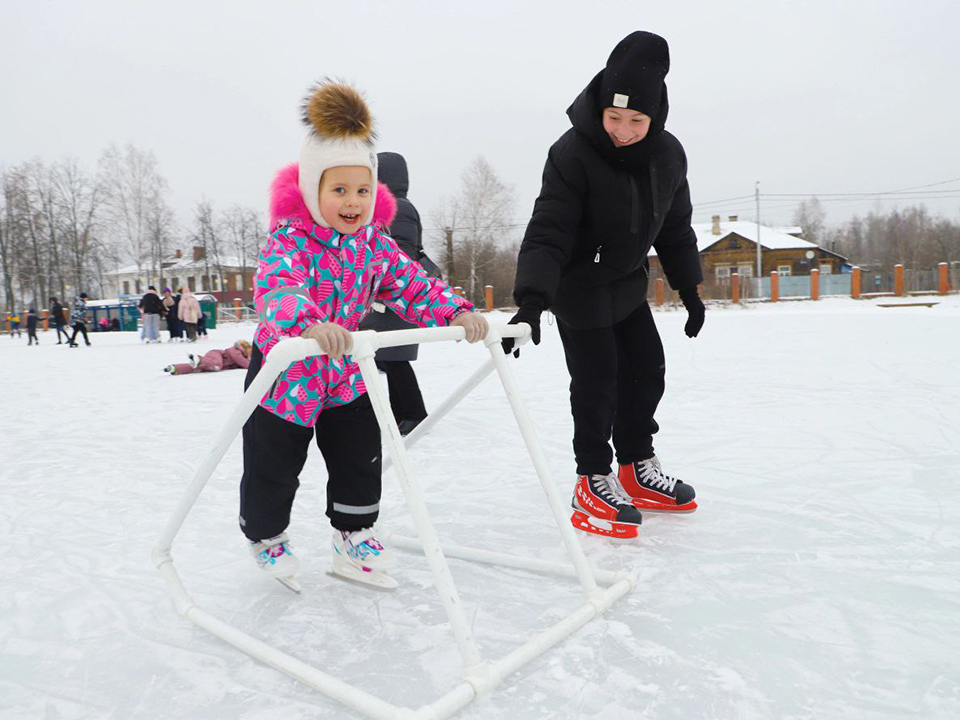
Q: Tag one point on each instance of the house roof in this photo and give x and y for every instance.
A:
(771, 238)
(174, 264)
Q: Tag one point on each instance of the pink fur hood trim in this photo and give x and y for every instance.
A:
(286, 202)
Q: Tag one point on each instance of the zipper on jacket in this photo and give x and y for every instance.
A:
(653, 191)
(634, 206)
(596, 258)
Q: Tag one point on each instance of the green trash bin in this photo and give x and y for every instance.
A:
(208, 306)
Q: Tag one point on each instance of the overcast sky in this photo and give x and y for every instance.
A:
(812, 97)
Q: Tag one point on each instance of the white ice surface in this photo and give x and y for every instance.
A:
(820, 577)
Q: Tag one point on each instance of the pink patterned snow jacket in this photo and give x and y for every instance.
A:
(309, 274)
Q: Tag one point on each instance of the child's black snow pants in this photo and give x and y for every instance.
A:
(616, 382)
(274, 451)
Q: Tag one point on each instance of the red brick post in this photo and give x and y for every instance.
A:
(855, 284)
(66, 315)
(898, 280)
(236, 309)
(658, 290)
(944, 284)
(774, 286)
(488, 297)
(45, 319)
(814, 284)
(735, 288)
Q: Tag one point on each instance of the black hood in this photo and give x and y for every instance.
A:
(392, 172)
(586, 117)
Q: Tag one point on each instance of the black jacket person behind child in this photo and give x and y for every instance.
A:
(614, 186)
(406, 401)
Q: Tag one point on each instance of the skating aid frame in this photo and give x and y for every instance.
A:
(480, 676)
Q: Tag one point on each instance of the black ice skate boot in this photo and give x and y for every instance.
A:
(601, 507)
(650, 488)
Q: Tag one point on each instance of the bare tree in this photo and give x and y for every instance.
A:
(812, 218)
(9, 242)
(242, 228)
(477, 223)
(79, 198)
(134, 190)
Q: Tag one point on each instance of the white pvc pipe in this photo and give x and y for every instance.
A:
(477, 377)
(449, 597)
(512, 561)
(557, 507)
(494, 673)
(481, 677)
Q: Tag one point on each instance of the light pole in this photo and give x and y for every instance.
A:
(759, 257)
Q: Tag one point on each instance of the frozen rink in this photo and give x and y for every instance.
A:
(819, 578)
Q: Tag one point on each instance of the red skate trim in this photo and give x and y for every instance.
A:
(607, 528)
(627, 475)
(664, 507)
(593, 503)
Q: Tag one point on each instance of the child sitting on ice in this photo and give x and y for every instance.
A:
(237, 356)
(324, 264)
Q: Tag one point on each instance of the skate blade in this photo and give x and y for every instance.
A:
(292, 583)
(376, 579)
(605, 528)
(665, 508)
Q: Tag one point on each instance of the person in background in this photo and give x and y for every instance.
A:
(15, 325)
(237, 356)
(32, 327)
(59, 320)
(202, 324)
(406, 401)
(152, 308)
(78, 317)
(189, 312)
(171, 306)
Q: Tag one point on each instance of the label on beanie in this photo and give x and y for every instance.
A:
(620, 101)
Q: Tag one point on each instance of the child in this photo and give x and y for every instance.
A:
(237, 356)
(321, 269)
(614, 185)
(15, 325)
(32, 327)
(78, 318)
(189, 312)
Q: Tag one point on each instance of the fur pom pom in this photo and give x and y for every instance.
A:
(337, 111)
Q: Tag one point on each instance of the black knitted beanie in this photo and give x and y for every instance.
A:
(633, 77)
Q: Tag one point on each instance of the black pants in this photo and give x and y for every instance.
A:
(66, 335)
(274, 451)
(405, 398)
(32, 336)
(79, 328)
(616, 382)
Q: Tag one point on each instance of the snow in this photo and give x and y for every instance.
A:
(819, 578)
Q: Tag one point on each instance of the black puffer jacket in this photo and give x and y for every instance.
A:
(151, 304)
(408, 232)
(584, 254)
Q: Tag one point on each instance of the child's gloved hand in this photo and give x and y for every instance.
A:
(333, 339)
(474, 324)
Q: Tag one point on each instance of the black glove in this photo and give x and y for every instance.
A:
(696, 312)
(528, 313)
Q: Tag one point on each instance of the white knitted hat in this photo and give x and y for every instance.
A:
(341, 133)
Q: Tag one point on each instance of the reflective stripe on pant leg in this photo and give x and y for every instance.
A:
(349, 438)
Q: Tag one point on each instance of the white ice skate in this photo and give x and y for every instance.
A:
(360, 557)
(275, 557)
